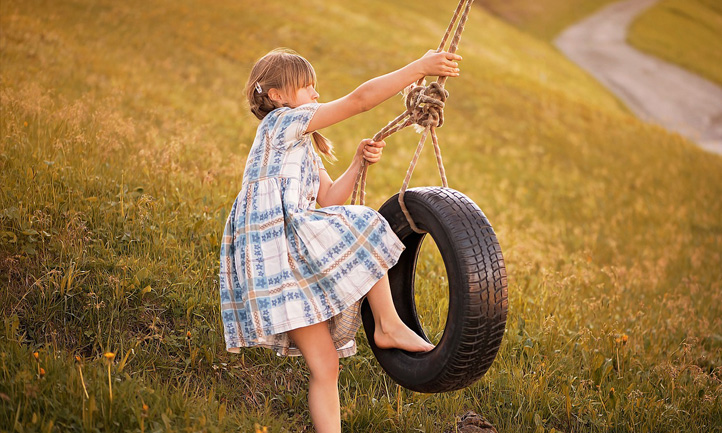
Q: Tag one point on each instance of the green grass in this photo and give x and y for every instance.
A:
(544, 19)
(685, 32)
(122, 142)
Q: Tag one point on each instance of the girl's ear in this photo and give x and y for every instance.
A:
(275, 95)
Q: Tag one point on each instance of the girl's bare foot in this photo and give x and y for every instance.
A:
(400, 337)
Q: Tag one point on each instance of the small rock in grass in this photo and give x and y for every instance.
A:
(472, 422)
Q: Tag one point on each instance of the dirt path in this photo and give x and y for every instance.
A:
(656, 91)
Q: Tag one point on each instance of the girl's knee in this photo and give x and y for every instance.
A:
(318, 350)
(325, 369)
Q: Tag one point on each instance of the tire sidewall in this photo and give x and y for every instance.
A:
(421, 371)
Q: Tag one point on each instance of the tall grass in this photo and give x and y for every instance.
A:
(123, 137)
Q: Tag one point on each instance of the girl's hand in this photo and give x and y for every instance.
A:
(443, 64)
(370, 151)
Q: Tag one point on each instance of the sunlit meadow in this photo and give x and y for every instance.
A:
(123, 136)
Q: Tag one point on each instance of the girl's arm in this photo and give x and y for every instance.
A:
(379, 89)
(330, 192)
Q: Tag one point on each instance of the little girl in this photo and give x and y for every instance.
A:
(293, 275)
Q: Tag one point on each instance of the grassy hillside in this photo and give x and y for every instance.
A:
(687, 32)
(123, 136)
(544, 19)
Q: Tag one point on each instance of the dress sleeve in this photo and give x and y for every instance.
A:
(293, 122)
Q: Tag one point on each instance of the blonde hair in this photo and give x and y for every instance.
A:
(286, 71)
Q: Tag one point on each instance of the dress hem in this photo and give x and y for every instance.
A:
(290, 325)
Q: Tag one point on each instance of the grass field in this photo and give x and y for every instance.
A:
(685, 32)
(123, 136)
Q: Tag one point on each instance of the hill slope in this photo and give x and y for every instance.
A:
(688, 33)
(123, 138)
(542, 19)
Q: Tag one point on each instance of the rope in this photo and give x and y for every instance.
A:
(424, 107)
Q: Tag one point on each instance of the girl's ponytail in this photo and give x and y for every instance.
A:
(260, 104)
(323, 145)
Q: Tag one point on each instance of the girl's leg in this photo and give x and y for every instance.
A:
(320, 354)
(391, 331)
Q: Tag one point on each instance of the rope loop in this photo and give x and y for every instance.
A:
(425, 105)
(425, 108)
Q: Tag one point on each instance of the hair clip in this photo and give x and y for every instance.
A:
(258, 87)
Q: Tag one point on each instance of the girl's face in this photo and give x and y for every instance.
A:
(304, 95)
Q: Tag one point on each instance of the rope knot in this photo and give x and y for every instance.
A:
(425, 105)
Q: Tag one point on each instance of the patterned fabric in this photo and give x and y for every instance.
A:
(286, 264)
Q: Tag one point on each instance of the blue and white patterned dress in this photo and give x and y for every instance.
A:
(286, 264)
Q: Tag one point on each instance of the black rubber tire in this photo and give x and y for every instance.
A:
(476, 317)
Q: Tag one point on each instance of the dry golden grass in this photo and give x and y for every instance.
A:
(122, 141)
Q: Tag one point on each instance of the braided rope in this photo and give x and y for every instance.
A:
(424, 107)
(407, 179)
(439, 161)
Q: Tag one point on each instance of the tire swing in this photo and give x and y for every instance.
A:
(476, 316)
